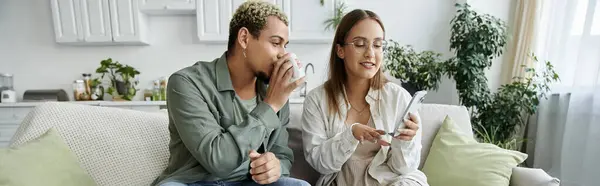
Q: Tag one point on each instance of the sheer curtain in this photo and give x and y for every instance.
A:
(568, 123)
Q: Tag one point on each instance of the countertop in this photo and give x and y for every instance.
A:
(99, 103)
(115, 103)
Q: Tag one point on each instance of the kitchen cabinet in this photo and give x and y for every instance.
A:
(306, 20)
(160, 7)
(98, 22)
(65, 15)
(12, 114)
(95, 20)
(129, 25)
(213, 18)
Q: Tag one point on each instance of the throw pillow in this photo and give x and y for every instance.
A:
(455, 159)
(46, 160)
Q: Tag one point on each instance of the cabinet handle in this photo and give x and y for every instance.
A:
(166, 7)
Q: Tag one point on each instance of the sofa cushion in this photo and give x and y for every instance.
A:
(115, 146)
(432, 117)
(458, 159)
(46, 160)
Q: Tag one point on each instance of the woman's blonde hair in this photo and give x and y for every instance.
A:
(334, 86)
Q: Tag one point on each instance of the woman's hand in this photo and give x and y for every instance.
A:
(410, 130)
(363, 132)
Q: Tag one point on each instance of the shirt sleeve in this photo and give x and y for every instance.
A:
(219, 150)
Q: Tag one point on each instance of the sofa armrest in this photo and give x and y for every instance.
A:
(522, 176)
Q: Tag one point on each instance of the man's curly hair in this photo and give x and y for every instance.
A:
(252, 15)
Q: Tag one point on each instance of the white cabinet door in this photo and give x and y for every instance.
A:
(128, 24)
(95, 21)
(306, 20)
(168, 6)
(213, 19)
(66, 18)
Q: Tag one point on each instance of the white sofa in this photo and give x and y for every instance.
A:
(126, 147)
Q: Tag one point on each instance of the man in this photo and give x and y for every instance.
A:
(226, 126)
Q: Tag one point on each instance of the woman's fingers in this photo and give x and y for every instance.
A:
(411, 125)
(367, 136)
(381, 132)
(383, 142)
(413, 118)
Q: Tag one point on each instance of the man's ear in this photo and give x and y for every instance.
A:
(340, 51)
(243, 36)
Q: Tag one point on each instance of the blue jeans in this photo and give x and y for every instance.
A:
(283, 181)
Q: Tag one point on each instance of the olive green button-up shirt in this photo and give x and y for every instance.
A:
(212, 131)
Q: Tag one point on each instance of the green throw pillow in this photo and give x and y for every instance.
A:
(46, 161)
(456, 159)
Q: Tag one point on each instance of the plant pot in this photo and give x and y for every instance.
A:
(121, 87)
(118, 98)
(410, 88)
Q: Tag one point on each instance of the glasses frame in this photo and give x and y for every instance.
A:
(369, 44)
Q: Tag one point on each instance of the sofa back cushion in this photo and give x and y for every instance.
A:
(115, 146)
(433, 116)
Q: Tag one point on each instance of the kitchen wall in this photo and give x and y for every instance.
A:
(28, 50)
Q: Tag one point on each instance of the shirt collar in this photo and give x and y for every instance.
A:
(223, 77)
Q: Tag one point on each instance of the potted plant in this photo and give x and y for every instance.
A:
(417, 70)
(476, 39)
(97, 90)
(511, 107)
(122, 78)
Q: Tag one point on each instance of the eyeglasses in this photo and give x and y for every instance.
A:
(361, 45)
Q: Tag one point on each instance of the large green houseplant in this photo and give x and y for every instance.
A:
(122, 78)
(476, 39)
(511, 107)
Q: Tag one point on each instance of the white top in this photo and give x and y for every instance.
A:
(354, 171)
(329, 143)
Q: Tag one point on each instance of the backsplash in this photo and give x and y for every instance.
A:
(37, 62)
(29, 51)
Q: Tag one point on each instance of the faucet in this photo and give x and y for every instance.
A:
(305, 86)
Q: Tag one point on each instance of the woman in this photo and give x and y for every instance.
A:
(345, 121)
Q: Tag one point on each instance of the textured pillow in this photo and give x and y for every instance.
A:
(46, 161)
(456, 159)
